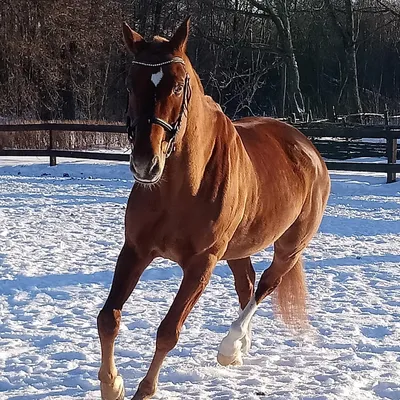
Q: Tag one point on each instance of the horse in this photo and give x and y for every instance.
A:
(207, 189)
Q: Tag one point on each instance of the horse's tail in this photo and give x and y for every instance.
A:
(289, 298)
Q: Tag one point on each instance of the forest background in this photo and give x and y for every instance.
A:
(66, 59)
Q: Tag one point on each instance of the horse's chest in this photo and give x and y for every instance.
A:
(178, 233)
(178, 238)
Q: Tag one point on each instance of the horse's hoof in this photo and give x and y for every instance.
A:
(141, 396)
(113, 391)
(235, 359)
(146, 390)
(246, 343)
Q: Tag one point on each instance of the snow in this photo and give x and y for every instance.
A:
(60, 233)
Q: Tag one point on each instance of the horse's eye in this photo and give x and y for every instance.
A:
(178, 88)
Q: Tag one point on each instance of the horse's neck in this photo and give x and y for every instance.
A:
(206, 125)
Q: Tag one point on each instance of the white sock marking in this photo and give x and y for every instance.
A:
(156, 78)
(239, 328)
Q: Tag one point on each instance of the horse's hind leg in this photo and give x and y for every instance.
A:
(128, 270)
(244, 275)
(286, 274)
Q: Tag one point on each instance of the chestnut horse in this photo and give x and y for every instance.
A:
(207, 189)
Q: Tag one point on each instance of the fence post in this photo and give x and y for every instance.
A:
(334, 118)
(53, 160)
(391, 149)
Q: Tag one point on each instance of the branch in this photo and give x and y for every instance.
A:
(226, 44)
(267, 8)
(233, 11)
(389, 8)
(376, 30)
(336, 24)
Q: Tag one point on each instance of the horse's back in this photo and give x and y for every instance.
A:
(272, 143)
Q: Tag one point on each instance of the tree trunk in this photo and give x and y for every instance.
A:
(68, 102)
(157, 17)
(280, 17)
(348, 34)
(353, 94)
(351, 60)
(294, 94)
(283, 88)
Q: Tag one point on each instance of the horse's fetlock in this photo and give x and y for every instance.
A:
(107, 377)
(147, 387)
(237, 329)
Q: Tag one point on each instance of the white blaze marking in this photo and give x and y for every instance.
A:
(156, 78)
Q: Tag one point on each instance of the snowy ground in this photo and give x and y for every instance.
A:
(59, 239)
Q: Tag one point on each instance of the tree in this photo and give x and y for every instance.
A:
(66, 59)
(346, 30)
(278, 11)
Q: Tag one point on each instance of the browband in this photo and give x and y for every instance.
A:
(173, 60)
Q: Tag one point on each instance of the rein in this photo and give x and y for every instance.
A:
(172, 128)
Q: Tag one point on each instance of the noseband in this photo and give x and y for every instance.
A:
(171, 129)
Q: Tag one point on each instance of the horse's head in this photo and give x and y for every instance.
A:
(158, 86)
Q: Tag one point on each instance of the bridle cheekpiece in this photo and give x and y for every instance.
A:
(173, 128)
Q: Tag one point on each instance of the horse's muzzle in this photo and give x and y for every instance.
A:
(146, 171)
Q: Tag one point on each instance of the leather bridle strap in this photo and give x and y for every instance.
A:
(172, 129)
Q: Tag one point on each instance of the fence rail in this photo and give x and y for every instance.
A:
(358, 131)
(313, 130)
(55, 126)
(90, 155)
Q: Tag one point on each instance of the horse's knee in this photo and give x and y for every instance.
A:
(108, 322)
(167, 337)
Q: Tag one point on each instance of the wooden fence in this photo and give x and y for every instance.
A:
(350, 132)
(315, 131)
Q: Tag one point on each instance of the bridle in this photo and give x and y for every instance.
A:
(171, 129)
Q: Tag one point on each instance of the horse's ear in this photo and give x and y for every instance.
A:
(133, 41)
(180, 38)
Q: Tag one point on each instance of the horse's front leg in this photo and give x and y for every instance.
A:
(196, 275)
(128, 270)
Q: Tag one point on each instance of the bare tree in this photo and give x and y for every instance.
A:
(278, 11)
(347, 31)
(66, 60)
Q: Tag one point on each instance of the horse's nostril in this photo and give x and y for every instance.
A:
(155, 163)
(145, 169)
